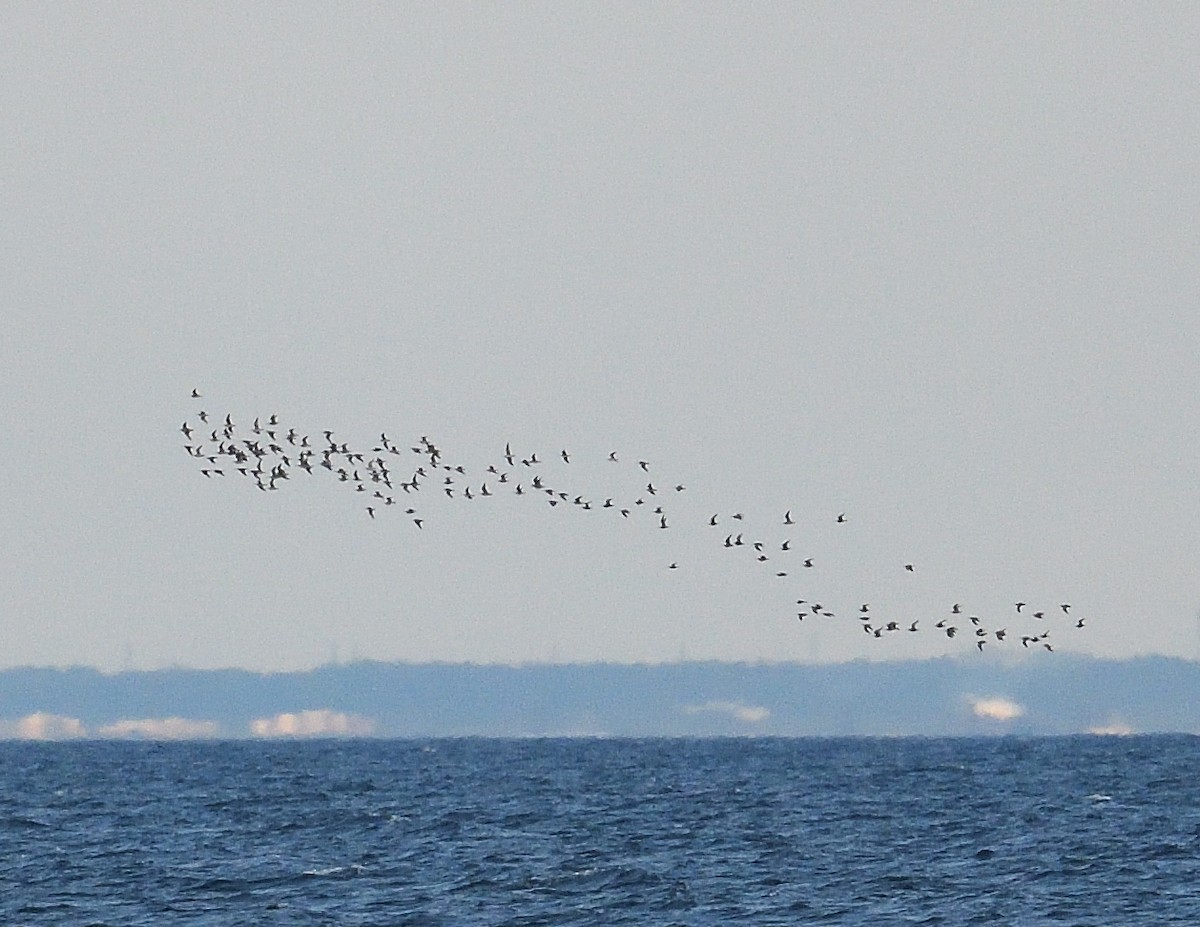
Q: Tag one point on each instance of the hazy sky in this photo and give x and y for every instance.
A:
(933, 266)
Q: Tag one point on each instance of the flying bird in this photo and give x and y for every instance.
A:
(270, 462)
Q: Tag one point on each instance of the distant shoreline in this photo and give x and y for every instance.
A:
(951, 696)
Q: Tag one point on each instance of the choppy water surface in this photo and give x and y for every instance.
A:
(1071, 831)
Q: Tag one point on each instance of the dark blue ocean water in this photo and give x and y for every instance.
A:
(1067, 831)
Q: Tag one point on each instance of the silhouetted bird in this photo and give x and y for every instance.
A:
(269, 467)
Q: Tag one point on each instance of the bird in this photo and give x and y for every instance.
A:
(273, 456)
(196, 395)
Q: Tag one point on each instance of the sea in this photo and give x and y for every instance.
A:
(1085, 830)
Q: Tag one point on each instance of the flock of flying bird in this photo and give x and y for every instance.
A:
(390, 478)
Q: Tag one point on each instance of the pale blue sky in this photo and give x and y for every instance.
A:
(934, 266)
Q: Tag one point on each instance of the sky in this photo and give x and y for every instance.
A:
(934, 267)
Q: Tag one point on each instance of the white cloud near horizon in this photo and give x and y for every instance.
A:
(1115, 727)
(42, 725)
(739, 711)
(160, 729)
(995, 708)
(320, 722)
